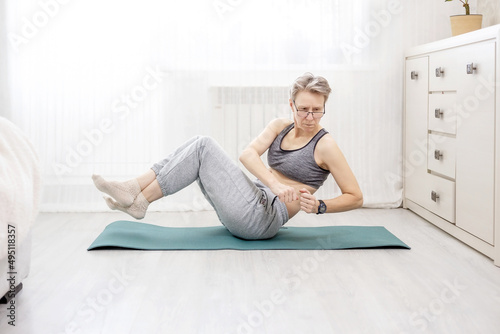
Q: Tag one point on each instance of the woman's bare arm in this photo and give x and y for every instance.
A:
(330, 157)
(251, 159)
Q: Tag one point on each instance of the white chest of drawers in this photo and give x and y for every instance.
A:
(452, 137)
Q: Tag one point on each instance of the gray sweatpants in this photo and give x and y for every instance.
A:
(249, 210)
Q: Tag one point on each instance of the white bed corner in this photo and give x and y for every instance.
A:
(19, 201)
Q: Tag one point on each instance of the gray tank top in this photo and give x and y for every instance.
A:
(299, 164)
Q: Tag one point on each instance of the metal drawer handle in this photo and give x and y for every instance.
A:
(471, 68)
(439, 72)
(434, 196)
(438, 155)
(438, 113)
(414, 75)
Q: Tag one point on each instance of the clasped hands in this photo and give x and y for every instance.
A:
(287, 194)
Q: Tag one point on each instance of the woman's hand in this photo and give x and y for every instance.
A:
(286, 194)
(308, 202)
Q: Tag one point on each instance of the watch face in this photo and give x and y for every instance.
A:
(322, 207)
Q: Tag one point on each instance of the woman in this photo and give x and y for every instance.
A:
(301, 155)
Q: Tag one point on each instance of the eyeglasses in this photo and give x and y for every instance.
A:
(303, 113)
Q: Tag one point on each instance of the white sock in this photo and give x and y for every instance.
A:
(137, 209)
(123, 192)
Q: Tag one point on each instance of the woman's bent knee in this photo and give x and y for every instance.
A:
(207, 140)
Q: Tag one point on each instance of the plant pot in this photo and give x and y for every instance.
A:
(461, 24)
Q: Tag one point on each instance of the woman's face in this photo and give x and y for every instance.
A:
(307, 103)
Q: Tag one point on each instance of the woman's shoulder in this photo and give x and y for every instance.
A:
(326, 144)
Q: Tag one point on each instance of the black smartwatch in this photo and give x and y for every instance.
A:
(321, 207)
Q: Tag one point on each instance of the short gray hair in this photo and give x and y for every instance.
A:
(310, 83)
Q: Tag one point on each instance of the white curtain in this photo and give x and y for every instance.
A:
(112, 86)
(4, 92)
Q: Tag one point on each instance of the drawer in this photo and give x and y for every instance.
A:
(442, 114)
(441, 152)
(476, 68)
(439, 197)
(443, 70)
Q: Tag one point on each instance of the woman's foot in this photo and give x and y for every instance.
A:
(124, 193)
(137, 209)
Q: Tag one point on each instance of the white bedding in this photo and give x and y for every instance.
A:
(19, 195)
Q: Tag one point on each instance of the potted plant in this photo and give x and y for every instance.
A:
(461, 24)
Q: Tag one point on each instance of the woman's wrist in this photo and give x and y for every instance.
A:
(321, 207)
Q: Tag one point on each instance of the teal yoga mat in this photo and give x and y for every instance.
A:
(134, 235)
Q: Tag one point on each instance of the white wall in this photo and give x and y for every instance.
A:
(490, 10)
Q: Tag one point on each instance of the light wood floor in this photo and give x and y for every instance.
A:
(439, 286)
